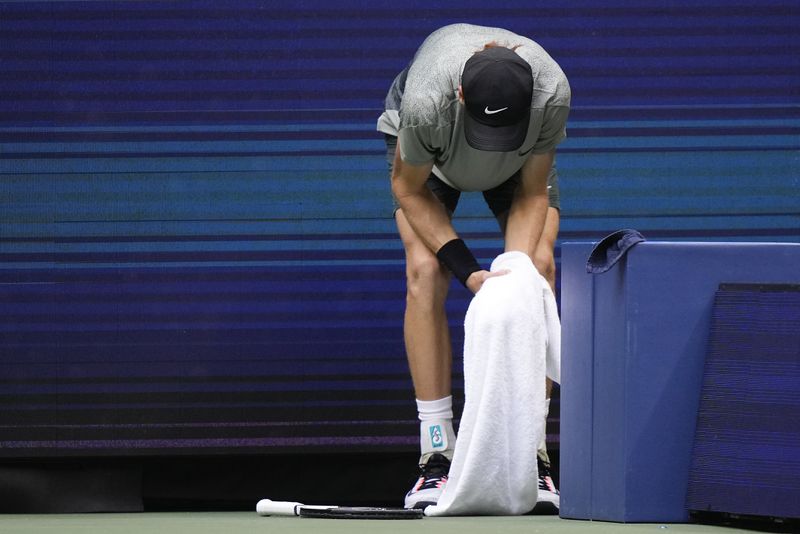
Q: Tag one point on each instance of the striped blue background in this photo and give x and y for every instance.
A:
(196, 249)
(748, 421)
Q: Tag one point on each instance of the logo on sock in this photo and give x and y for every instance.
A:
(437, 439)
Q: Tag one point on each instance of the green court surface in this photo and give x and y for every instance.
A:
(250, 522)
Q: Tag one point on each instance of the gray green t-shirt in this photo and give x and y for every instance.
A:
(422, 108)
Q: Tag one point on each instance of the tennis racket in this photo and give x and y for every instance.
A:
(267, 507)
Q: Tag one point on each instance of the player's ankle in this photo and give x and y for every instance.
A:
(447, 453)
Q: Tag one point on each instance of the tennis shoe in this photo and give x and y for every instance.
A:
(548, 499)
(430, 484)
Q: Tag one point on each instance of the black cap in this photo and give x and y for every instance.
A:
(498, 89)
(611, 249)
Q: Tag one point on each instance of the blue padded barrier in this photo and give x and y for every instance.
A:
(634, 344)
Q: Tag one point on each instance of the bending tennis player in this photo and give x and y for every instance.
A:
(478, 109)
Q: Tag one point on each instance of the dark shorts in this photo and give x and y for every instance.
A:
(498, 198)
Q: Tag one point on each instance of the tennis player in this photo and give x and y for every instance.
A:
(477, 109)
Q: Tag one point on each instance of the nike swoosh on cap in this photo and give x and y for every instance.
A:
(493, 111)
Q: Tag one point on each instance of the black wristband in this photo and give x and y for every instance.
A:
(457, 257)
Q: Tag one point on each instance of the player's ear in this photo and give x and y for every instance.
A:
(460, 94)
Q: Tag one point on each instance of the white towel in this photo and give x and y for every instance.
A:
(512, 338)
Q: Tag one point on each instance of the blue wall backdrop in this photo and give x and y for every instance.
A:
(196, 249)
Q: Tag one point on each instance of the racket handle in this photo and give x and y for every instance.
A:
(269, 507)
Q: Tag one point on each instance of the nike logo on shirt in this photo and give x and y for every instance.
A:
(493, 111)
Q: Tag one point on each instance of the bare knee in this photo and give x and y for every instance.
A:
(427, 280)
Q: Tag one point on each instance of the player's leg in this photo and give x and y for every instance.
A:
(544, 258)
(426, 334)
(548, 500)
(499, 201)
(427, 340)
(544, 255)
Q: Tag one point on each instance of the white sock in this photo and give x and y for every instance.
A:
(436, 433)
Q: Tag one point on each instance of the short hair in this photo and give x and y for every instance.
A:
(495, 44)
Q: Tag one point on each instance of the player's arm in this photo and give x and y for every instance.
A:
(528, 212)
(430, 221)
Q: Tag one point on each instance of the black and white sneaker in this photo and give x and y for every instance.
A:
(431, 482)
(548, 500)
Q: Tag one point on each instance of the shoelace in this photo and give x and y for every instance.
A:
(431, 482)
(433, 474)
(545, 481)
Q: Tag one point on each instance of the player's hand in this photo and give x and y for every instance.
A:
(476, 279)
